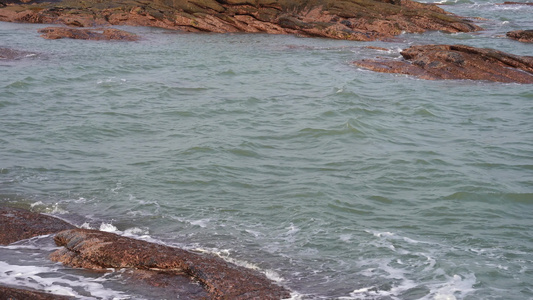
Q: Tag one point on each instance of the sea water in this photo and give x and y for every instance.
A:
(278, 154)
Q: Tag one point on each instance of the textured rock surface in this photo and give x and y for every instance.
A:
(457, 62)
(222, 280)
(18, 224)
(10, 293)
(525, 36)
(54, 33)
(363, 20)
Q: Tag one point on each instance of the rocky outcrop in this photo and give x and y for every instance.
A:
(11, 293)
(457, 62)
(525, 36)
(19, 224)
(100, 250)
(362, 20)
(98, 34)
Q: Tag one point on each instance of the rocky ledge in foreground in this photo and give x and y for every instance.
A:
(362, 20)
(98, 34)
(10, 293)
(19, 224)
(435, 62)
(101, 250)
(525, 36)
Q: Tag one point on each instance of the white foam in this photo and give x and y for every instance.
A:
(225, 255)
(202, 222)
(456, 286)
(108, 227)
(39, 278)
(52, 208)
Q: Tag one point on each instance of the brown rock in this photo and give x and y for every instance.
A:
(18, 224)
(525, 36)
(10, 293)
(98, 250)
(457, 62)
(53, 33)
(363, 20)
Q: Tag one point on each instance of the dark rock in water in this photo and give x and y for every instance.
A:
(98, 34)
(10, 293)
(435, 62)
(363, 20)
(19, 224)
(222, 280)
(11, 54)
(516, 3)
(525, 36)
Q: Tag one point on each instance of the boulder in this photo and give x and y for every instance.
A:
(525, 36)
(435, 62)
(19, 224)
(98, 34)
(363, 20)
(221, 280)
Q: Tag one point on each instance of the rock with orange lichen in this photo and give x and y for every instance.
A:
(363, 20)
(435, 62)
(221, 280)
(525, 36)
(19, 224)
(97, 34)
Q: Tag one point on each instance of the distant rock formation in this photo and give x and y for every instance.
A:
(100, 250)
(435, 62)
(525, 36)
(19, 224)
(362, 20)
(97, 34)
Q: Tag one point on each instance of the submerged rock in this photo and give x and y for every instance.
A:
(525, 36)
(12, 293)
(19, 224)
(11, 54)
(363, 20)
(221, 280)
(98, 34)
(435, 62)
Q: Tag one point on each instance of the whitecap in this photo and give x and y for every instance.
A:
(108, 227)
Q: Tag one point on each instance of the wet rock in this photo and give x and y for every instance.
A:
(11, 293)
(221, 280)
(435, 62)
(363, 20)
(516, 3)
(19, 224)
(11, 54)
(99, 34)
(525, 36)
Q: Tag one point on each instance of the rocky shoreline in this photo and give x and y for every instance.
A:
(359, 20)
(154, 264)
